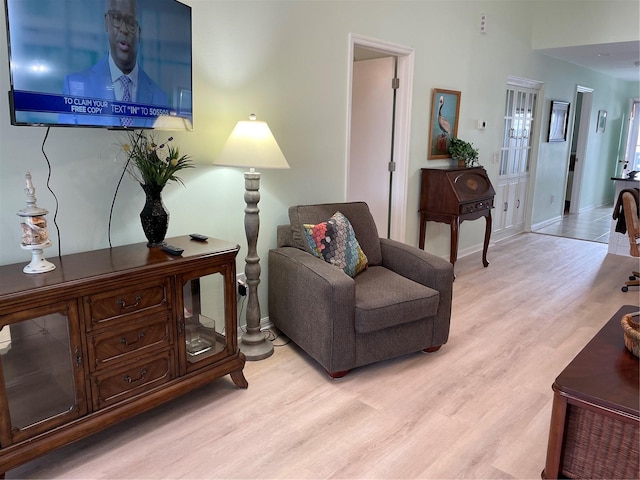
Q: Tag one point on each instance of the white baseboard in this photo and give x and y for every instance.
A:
(265, 324)
(470, 250)
(545, 223)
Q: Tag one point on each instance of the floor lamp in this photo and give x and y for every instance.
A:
(251, 144)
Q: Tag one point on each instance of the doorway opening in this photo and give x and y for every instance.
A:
(591, 224)
(579, 138)
(630, 158)
(378, 130)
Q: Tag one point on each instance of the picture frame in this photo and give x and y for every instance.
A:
(602, 121)
(558, 121)
(445, 111)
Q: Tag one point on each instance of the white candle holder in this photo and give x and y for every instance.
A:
(38, 263)
(35, 236)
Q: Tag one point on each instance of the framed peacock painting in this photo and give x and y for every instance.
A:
(445, 108)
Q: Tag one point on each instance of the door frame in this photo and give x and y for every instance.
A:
(400, 179)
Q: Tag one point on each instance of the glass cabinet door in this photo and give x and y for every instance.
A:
(205, 320)
(519, 116)
(42, 371)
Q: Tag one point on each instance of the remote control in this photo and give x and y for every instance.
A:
(198, 237)
(172, 250)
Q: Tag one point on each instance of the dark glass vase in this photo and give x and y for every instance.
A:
(154, 216)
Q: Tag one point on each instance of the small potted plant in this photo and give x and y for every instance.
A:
(463, 152)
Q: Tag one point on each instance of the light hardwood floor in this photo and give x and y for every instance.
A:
(593, 224)
(478, 408)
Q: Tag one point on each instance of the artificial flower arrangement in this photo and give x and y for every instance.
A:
(152, 164)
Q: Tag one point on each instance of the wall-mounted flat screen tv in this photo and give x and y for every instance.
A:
(99, 63)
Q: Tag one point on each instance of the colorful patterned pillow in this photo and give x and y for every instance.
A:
(335, 242)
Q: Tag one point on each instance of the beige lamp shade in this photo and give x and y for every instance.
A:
(251, 144)
(172, 122)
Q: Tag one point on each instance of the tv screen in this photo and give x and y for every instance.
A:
(99, 63)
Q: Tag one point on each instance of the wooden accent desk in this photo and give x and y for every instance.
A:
(595, 424)
(453, 195)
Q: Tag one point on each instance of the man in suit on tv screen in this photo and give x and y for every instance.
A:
(117, 76)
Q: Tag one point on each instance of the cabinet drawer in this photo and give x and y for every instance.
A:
(117, 385)
(124, 303)
(142, 336)
(484, 204)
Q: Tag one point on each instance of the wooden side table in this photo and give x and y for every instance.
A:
(595, 421)
(454, 222)
(453, 195)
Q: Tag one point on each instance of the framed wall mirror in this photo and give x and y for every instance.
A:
(558, 121)
(602, 121)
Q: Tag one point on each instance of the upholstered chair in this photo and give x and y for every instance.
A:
(399, 304)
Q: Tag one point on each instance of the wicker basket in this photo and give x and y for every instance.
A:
(631, 328)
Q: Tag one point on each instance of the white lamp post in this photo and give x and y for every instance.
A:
(251, 144)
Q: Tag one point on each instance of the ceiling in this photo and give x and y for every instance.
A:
(618, 60)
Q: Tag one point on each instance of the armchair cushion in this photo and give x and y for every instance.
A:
(380, 306)
(335, 242)
(358, 214)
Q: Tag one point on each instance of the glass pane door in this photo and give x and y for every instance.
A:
(519, 115)
(204, 317)
(508, 134)
(527, 133)
(41, 369)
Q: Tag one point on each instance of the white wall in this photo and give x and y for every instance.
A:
(286, 61)
(565, 23)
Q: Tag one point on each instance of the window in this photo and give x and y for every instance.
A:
(632, 152)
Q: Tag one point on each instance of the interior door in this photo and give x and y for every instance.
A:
(368, 177)
(581, 148)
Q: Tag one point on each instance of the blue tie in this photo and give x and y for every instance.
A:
(126, 97)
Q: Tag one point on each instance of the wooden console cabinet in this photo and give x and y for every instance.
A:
(595, 420)
(109, 334)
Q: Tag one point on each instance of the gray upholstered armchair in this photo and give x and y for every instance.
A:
(400, 304)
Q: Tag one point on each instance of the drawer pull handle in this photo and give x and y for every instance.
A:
(125, 342)
(128, 379)
(124, 305)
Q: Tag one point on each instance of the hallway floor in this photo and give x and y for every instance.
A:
(593, 225)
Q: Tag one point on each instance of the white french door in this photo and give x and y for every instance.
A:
(515, 158)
